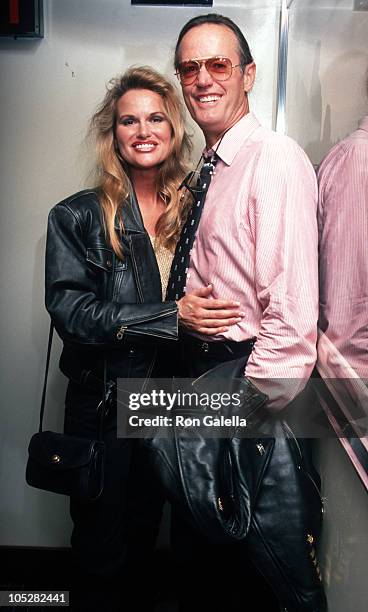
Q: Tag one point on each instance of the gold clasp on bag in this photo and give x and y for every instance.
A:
(55, 458)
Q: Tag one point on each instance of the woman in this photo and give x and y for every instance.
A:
(108, 257)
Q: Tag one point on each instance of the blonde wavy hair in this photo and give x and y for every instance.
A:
(114, 185)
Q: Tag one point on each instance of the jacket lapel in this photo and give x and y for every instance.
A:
(145, 268)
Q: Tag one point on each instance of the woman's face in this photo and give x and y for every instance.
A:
(143, 132)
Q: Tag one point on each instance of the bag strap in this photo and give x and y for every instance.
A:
(43, 400)
(106, 394)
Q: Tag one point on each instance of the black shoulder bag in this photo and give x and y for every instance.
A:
(63, 463)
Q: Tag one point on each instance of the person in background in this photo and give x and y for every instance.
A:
(108, 256)
(256, 243)
(343, 239)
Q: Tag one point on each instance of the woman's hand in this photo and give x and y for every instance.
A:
(207, 316)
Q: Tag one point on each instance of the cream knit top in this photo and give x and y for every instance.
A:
(164, 258)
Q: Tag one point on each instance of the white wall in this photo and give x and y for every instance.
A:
(49, 89)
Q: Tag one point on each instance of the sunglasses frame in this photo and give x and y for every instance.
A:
(200, 62)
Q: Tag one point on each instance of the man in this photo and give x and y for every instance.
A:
(256, 244)
(257, 238)
(343, 229)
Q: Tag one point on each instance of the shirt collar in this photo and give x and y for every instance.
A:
(363, 124)
(234, 138)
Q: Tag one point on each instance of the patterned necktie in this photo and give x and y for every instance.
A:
(180, 264)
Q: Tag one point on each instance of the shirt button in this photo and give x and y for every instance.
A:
(188, 275)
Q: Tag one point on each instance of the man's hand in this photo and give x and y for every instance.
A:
(206, 316)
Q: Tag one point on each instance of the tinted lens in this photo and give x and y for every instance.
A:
(219, 67)
(188, 71)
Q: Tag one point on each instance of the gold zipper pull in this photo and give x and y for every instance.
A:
(121, 332)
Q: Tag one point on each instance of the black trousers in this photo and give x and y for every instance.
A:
(213, 577)
(113, 538)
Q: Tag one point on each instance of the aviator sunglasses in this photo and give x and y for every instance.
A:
(220, 68)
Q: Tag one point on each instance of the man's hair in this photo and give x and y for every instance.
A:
(243, 47)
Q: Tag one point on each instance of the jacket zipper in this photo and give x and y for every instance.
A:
(123, 328)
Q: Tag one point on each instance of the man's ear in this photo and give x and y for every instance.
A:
(249, 76)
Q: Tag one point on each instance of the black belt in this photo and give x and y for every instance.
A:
(220, 349)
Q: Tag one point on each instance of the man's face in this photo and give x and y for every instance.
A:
(215, 105)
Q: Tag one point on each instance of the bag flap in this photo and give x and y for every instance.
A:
(62, 452)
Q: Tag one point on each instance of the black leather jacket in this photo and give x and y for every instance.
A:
(102, 306)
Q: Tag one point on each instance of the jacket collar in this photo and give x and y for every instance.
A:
(133, 221)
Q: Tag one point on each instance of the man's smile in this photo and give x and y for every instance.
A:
(209, 99)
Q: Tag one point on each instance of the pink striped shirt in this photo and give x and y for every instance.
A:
(343, 229)
(257, 243)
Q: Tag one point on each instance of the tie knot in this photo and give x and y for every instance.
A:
(210, 159)
(209, 164)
